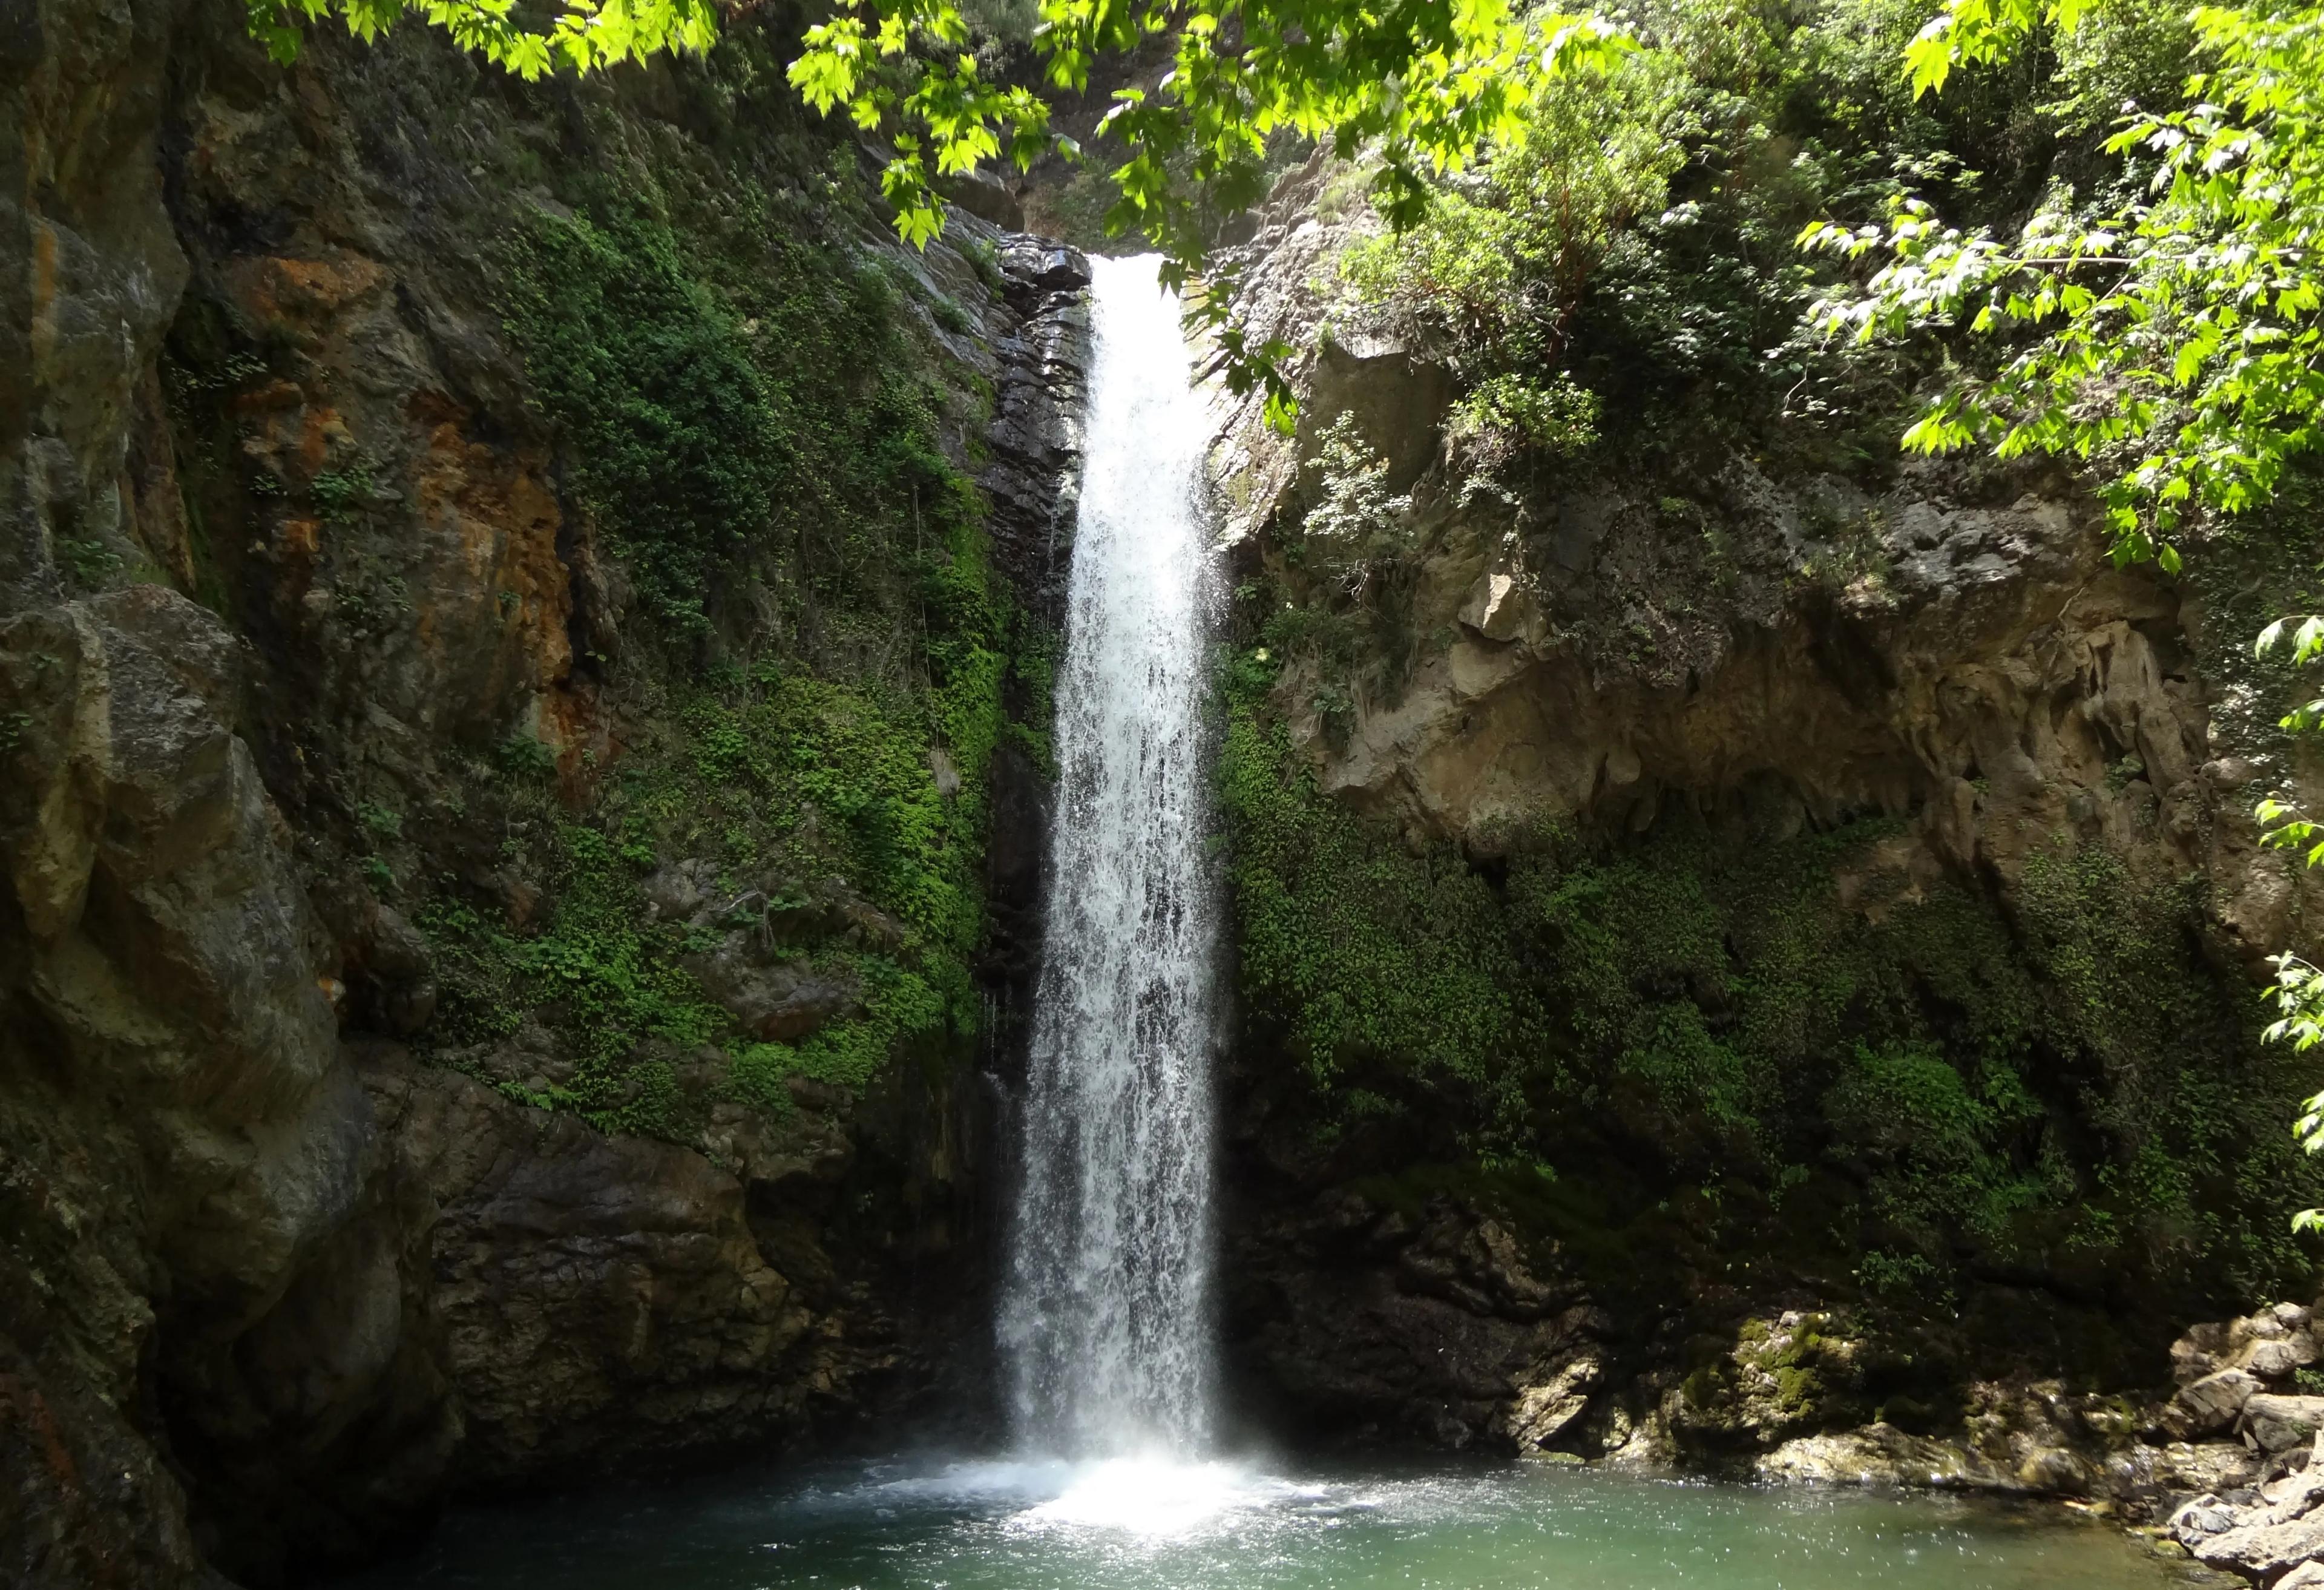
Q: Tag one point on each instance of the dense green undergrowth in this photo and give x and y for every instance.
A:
(795, 790)
(2063, 1089)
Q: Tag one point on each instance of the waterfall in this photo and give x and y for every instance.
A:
(1104, 1319)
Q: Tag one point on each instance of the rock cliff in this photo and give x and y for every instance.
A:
(469, 873)
(1682, 896)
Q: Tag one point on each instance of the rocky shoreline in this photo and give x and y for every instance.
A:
(2227, 1472)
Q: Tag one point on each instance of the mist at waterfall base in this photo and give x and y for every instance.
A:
(1105, 1326)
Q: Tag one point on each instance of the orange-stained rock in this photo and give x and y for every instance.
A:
(302, 297)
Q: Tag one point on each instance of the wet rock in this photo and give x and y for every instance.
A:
(2203, 1516)
(2279, 1358)
(1042, 349)
(1883, 1455)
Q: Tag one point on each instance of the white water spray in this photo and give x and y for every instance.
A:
(1105, 1318)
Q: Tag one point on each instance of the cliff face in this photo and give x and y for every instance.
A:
(514, 730)
(1678, 901)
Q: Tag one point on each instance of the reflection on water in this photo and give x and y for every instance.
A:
(1130, 1525)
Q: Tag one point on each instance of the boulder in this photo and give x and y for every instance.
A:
(2262, 1551)
(2188, 1468)
(2211, 1404)
(2204, 1516)
(2198, 1353)
(2279, 1424)
(2276, 1357)
(2054, 1471)
(1544, 1410)
(1501, 609)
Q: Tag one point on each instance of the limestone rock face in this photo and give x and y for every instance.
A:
(2279, 1424)
(1940, 651)
(95, 275)
(186, 1145)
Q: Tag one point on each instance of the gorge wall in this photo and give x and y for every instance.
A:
(1731, 950)
(525, 778)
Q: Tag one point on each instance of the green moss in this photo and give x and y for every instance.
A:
(737, 402)
(790, 782)
(1366, 948)
(2058, 1083)
(755, 425)
(901, 1007)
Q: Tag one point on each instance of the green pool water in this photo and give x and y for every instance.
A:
(933, 1525)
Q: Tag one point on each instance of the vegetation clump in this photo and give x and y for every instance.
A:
(815, 656)
(2055, 1088)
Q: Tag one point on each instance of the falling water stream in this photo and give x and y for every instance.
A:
(1105, 1321)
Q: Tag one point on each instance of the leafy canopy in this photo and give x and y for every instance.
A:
(581, 35)
(1492, 278)
(1420, 85)
(2177, 342)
